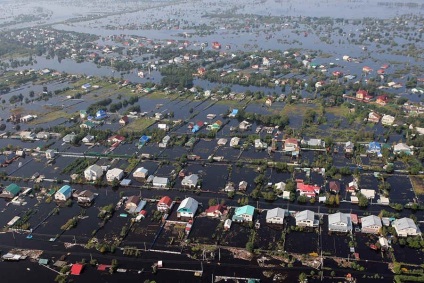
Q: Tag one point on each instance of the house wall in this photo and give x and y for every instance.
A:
(275, 220)
(305, 223)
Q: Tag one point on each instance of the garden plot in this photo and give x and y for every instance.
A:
(363, 242)
(407, 255)
(237, 236)
(300, 240)
(172, 237)
(268, 235)
(401, 190)
(206, 230)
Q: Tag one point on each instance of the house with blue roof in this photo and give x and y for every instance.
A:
(233, 113)
(374, 148)
(101, 114)
(64, 193)
(143, 140)
(244, 214)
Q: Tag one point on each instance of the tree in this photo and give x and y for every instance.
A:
(302, 277)
(212, 202)
(362, 200)
(249, 246)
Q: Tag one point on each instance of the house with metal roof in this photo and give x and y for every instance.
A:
(64, 193)
(406, 227)
(93, 172)
(11, 191)
(190, 181)
(141, 173)
(164, 204)
(339, 222)
(306, 218)
(86, 196)
(275, 216)
(160, 182)
(114, 174)
(244, 214)
(371, 224)
(187, 208)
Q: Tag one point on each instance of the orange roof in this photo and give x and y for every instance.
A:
(76, 268)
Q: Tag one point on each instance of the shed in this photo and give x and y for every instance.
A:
(76, 269)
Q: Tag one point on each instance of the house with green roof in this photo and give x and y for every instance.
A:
(244, 214)
(11, 191)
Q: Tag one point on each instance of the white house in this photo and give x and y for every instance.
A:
(164, 204)
(187, 208)
(387, 120)
(63, 194)
(93, 172)
(160, 182)
(50, 153)
(402, 148)
(114, 174)
(406, 227)
(190, 181)
(339, 222)
(306, 218)
(141, 173)
(371, 224)
(275, 216)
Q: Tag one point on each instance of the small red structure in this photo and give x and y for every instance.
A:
(76, 269)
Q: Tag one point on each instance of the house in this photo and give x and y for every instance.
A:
(244, 125)
(141, 173)
(50, 154)
(86, 86)
(27, 135)
(143, 140)
(371, 224)
(334, 187)
(93, 173)
(83, 114)
(361, 94)
(115, 139)
(88, 138)
(190, 181)
(227, 224)
(76, 269)
(114, 174)
(369, 194)
(259, 144)
(164, 204)
(349, 147)
(11, 191)
(160, 182)
(229, 187)
(244, 214)
(275, 216)
(163, 126)
(291, 145)
(100, 115)
(165, 141)
(280, 186)
(222, 142)
(132, 203)
(374, 147)
(306, 218)
(307, 190)
(69, 138)
(43, 135)
(313, 142)
(374, 117)
(234, 141)
(382, 99)
(242, 186)
(387, 120)
(268, 101)
(187, 208)
(124, 120)
(87, 125)
(406, 227)
(339, 222)
(402, 148)
(85, 196)
(215, 210)
(64, 193)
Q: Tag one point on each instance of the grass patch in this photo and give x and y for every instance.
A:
(160, 94)
(49, 117)
(138, 125)
(417, 184)
(291, 109)
(340, 111)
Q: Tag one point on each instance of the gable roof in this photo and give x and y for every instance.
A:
(371, 220)
(76, 269)
(65, 190)
(188, 205)
(214, 208)
(13, 189)
(404, 223)
(305, 215)
(334, 186)
(337, 218)
(247, 209)
(166, 200)
(275, 212)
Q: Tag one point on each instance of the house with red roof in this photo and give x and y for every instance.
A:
(76, 269)
(124, 120)
(382, 99)
(361, 94)
(164, 204)
(307, 190)
(215, 210)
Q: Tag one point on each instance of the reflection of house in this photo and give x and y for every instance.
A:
(190, 181)
(371, 224)
(93, 172)
(402, 148)
(141, 173)
(275, 216)
(63, 193)
(406, 227)
(215, 210)
(339, 222)
(244, 214)
(187, 208)
(164, 204)
(114, 174)
(306, 218)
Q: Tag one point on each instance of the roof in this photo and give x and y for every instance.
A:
(305, 215)
(371, 220)
(133, 199)
(214, 208)
(247, 209)
(13, 189)
(65, 190)
(276, 212)
(86, 193)
(76, 269)
(95, 168)
(142, 170)
(337, 218)
(193, 178)
(188, 205)
(404, 223)
(334, 186)
(166, 200)
(160, 180)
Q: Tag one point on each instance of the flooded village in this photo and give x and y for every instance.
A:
(206, 141)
